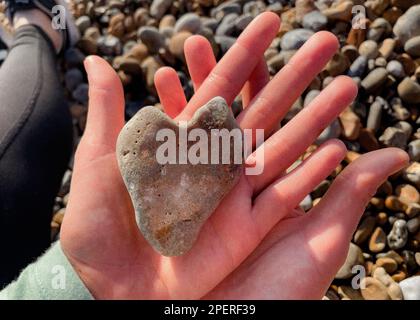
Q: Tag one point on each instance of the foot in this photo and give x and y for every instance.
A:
(40, 19)
(41, 13)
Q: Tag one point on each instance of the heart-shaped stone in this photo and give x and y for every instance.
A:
(173, 200)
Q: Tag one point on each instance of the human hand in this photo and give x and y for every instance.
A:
(256, 242)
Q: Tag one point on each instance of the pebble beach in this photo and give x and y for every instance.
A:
(379, 48)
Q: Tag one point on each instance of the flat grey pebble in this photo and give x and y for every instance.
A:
(254, 8)
(374, 79)
(82, 23)
(369, 48)
(311, 95)
(375, 116)
(159, 7)
(354, 257)
(378, 28)
(109, 45)
(413, 224)
(227, 26)
(412, 46)
(409, 90)
(225, 8)
(408, 25)
(380, 62)
(243, 21)
(210, 23)
(306, 203)
(225, 42)
(171, 221)
(190, 22)
(152, 38)
(398, 236)
(410, 288)
(414, 150)
(294, 39)
(331, 132)
(394, 137)
(314, 21)
(396, 69)
(406, 127)
(358, 67)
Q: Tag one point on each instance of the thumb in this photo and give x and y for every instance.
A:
(105, 117)
(334, 219)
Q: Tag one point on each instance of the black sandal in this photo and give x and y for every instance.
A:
(70, 32)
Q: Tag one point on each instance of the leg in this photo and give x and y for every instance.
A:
(35, 146)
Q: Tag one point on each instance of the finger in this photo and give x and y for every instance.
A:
(285, 194)
(318, 235)
(273, 102)
(286, 145)
(332, 221)
(170, 91)
(233, 70)
(105, 117)
(258, 79)
(200, 59)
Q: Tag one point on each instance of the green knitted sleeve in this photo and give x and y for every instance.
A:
(51, 277)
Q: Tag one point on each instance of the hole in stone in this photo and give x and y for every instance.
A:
(162, 169)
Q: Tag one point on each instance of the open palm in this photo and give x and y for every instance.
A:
(257, 244)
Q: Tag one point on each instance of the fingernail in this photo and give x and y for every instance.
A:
(404, 157)
(88, 61)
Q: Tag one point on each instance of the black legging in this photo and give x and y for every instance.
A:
(35, 147)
